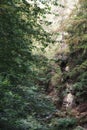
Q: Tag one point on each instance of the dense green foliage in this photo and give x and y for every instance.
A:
(21, 101)
(25, 77)
(77, 40)
(64, 123)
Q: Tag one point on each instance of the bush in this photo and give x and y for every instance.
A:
(64, 123)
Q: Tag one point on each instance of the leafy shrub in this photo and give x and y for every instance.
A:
(64, 123)
(78, 128)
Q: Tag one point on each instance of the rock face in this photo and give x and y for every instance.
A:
(67, 69)
(68, 101)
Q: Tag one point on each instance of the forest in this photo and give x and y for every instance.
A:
(43, 65)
